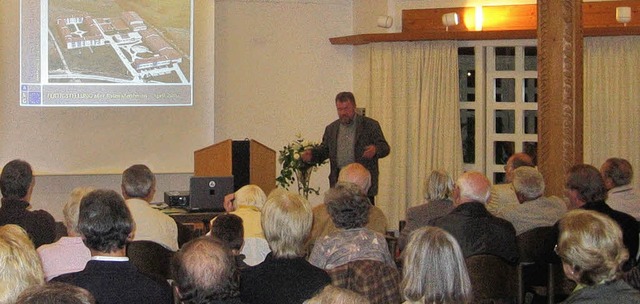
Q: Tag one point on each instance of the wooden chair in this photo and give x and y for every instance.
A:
(533, 271)
(493, 280)
(150, 258)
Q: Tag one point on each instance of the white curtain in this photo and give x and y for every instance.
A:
(413, 93)
(612, 100)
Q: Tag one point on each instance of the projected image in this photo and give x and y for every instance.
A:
(106, 52)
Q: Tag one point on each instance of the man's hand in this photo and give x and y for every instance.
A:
(369, 152)
(306, 156)
(228, 202)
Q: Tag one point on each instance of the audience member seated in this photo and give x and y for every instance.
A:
(284, 276)
(437, 202)
(105, 224)
(349, 208)
(475, 229)
(20, 266)
(56, 293)
(228, 228)
(247, 203)
(138, 189)
(434, 269)
(534, 210)
(68, 254)
(204, 272)
(503, 195)
(618, 174)
(585, 190)
(592, 253)
(322, 223)
(336, 295)
(16, 185)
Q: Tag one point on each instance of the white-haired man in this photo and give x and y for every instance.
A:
(476, 230)
(534, 210)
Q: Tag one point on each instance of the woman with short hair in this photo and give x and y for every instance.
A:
(349, 211)
(434, 269)
(592, 253)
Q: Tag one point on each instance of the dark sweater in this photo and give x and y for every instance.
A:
(39, 224)
(119, 282)
(281, 281)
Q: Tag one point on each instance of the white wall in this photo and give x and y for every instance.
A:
(276, 72)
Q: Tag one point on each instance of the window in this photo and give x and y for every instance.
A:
(498, 103)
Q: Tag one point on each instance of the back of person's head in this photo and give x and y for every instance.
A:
(345, 96)
(587, 182)
(104, 221)
(591, 244)
(249, 195)
(439, 185)
(56, 293)
(229, 229)
(16, 179)
(286, 221)
(204, 271)
(528, 182)
(356, 173)
(20, 265)
(138, 181)
(347, 205)
(72, 208)
(473, 186)
(434, 268)
(516, 161)
(619, 170)
(332, 294)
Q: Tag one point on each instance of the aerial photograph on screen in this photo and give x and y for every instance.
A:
(119, 41)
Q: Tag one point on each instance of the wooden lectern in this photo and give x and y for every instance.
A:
(249, 161)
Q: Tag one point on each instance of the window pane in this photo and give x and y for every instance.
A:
(530, 58)
(505, 58)
(468, 128)
(530, 86)
(502, 151)
(531, 148)
(499, 178)
(505, 121)
(505, 89)
(467, 74)
(530, 122)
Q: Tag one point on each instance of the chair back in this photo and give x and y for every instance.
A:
(376, 280)
(493, 280)
(150, 258)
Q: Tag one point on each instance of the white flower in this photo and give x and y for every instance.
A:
(296, 156)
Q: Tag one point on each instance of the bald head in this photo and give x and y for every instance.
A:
(472, 186)
(516, 161)
(204, 269)
(357, 174)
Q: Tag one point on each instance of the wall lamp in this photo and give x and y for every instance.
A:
(450, 19)
(623, 14)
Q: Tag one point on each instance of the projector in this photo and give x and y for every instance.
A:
(177, 198)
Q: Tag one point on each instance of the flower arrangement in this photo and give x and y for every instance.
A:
(295, 169)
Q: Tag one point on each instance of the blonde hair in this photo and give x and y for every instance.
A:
(286, 222)
(249, 195)
(591, 243)
(332, 294)
(434, 268)
(439, 185)
(72, 209)
(20, 265)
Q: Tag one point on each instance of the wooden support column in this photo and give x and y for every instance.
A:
(560, 90)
